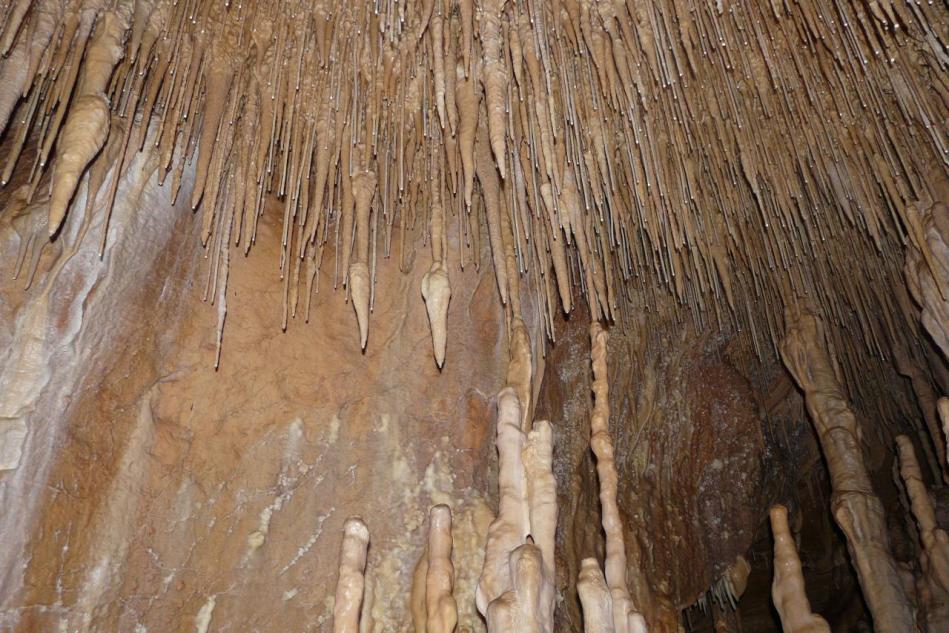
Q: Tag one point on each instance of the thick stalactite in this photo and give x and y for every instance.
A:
(856, 507)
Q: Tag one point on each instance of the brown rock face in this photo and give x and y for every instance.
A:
(155, 493)
(689, 453)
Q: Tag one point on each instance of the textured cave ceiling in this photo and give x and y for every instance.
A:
(732, 156)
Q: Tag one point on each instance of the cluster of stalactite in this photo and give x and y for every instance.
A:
(730, 154)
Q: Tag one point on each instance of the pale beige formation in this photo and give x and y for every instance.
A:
(87, 125)
(516, 591)
(519, 608)
(512, 526)
(360, 290)
(943, 407)
(351, 583)
(855, 506)
(440, 607)
(934, 559)
(436, 287)
(927, 261)
(595, 598)
(495, 80)
(436, 290)
(787, 587)
(926, 398)
(627, 617)
(542, 503)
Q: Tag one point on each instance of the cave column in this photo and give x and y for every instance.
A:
(855, 507)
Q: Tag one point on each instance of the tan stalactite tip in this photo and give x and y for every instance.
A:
(82, 137)
(787, 588)
(351, 583)
(436, 290)
(359, 286)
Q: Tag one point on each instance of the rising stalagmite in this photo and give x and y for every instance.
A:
(787, 588)
(195, 191)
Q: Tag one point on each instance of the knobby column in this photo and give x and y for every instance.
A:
(855, 506)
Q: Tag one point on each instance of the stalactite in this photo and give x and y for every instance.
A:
(352, 576)
(927, 262)
(855, 506)
(360, 282)
(436, 287)
(934, 558)
(787, 588)
(495, 80)
(943, 407)
(87, 125)
(926, 398)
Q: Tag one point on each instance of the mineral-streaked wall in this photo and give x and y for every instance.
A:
(153, 488)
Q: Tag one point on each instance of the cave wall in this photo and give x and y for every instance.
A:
(154, 491)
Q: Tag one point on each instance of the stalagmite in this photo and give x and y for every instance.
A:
(935, 555)
(542, 500)
(855, 506)
(440, 607)
(787, 588)
(516, 589)
(519, 608)
(352, 576)
(626, 618)
(595, 598)
(512, 525)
